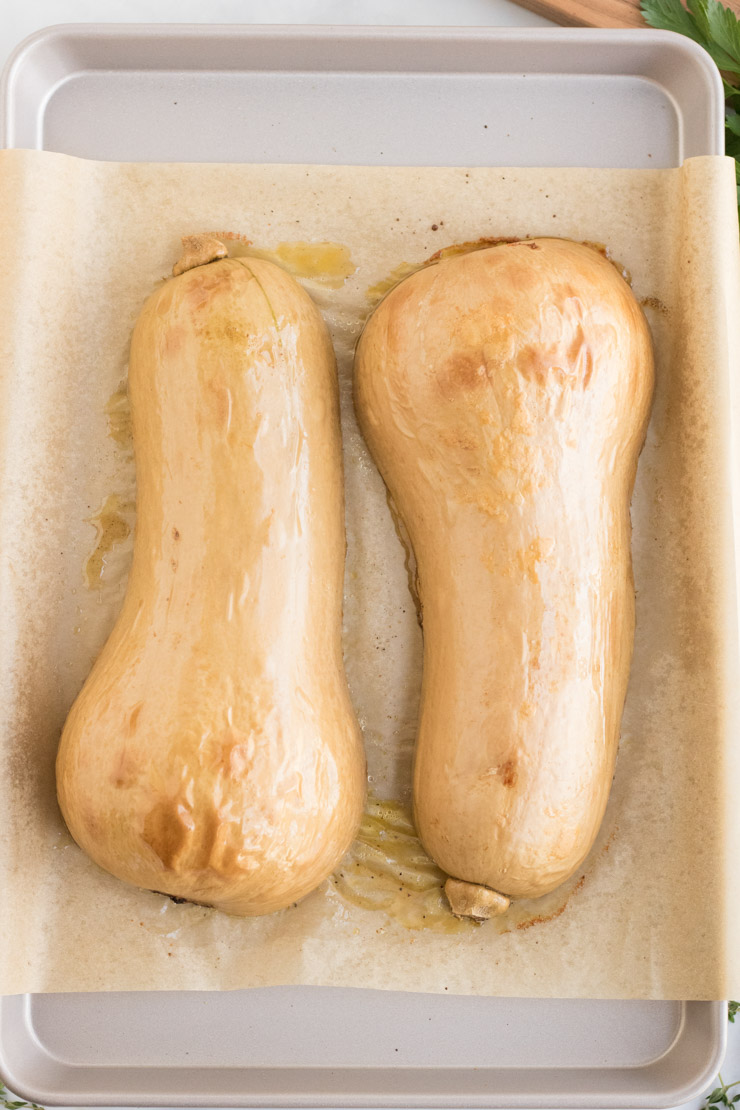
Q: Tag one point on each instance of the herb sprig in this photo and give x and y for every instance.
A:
(8, 1102)
(720, 1097)
(717, 29)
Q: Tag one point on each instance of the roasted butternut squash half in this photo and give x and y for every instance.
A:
(213, 753)
(504, 395)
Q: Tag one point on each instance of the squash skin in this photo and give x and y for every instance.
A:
(504, 395)
(213, 753)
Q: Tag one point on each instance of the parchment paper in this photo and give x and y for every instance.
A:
(653, 913)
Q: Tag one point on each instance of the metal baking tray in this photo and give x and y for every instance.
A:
(473, 96)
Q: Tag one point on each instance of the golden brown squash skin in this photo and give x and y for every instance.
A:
(504, 395)
(213, 752)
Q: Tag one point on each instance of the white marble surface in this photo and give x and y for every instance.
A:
(19, 18)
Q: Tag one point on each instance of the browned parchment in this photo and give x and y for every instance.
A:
(653, 912)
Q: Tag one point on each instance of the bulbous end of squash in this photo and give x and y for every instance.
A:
(198, 250)
(474, 900)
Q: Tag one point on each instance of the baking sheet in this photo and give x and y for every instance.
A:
(651, 913)
(332, 1046)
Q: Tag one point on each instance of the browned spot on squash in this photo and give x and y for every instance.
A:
(166, 834)
(576, 345)
(175, 534)
(507, 773)
(220, 403)
(462, 373)
(182, 844)
(172, 340)
(234, 333)
(458, 439)
(92, 824)
(125, 772)
(533, 362)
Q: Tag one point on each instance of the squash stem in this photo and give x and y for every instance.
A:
(198, 250)
(475, 900)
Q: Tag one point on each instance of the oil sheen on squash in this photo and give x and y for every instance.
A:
(386, 869)
(504, 394)
(326, 263)
(213, 753)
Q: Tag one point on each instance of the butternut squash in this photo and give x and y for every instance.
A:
(504, 395)
(213, 753)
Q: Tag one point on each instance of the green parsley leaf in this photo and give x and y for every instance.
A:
(724, 32)
(698, 9)
(671, 15)
(694, 22)
(705, 15)
(732, 94)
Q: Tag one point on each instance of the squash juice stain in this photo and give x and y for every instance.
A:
(376, 292)
(387, 869)
(118, 411)
(114, 520)
(113, 523)
(328, 264)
